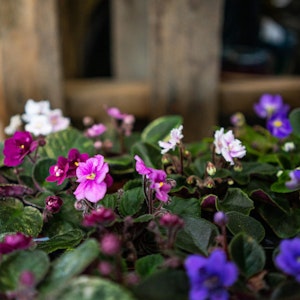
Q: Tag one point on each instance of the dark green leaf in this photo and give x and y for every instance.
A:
(120, 164)
(247, 254)
(149, 264)
(131, 202)
(184, 207)
(295, 121)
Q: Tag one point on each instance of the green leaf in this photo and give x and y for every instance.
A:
(59, 143)
(66, 240)
(184, 207)
(241, 223)
(110, 200)
(131, 202)
(235, 200)
(71, 264)
(149, 264)
(284, 225)
(120, 164)
(14, 264)
(197, 235)
(247, 254)
(15, 217)
(164, 285)
(93, 288)
(288, 290)
(159, 129)
(294, 118)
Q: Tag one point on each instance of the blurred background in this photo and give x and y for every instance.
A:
(204, 60)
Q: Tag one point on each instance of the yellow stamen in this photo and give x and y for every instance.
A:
(22, 146)
(76, 163)
(91, 176)
(161, 184)
(277, 123)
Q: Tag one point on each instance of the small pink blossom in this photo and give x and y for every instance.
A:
(115, 113)
(96, 130)
(141, 167)
(92, 179)
(159, 184)
(57, 120)
(59, 171)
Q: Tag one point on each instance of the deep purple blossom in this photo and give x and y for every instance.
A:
(74, 158)
(279, 126)
(288, 258)
(53, 204)
(17, 147)
(59, 171)
(294, 182)
(17, 241)
(101, 215)
(92, 179)
(210, 276)
(159, 184)
(269, 105)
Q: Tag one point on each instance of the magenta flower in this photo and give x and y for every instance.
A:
(17, 241)
(96, 130)
(115, 113)
(74, 158)
(288, 258)
(17, 147)
(159, 184)
(59, 171)
(101, 215)
(210, 276)
(279, 126)
(141, 167)
(92, 179)
(269, 105)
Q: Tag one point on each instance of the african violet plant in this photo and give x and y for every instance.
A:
(109, 213)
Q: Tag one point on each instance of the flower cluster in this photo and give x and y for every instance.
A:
(272, 108)
(39, 119)
(210, 276)
(66, 167)
(228, 146)
(157, 179)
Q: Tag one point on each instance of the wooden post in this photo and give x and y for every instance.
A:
(130, 39)
(30, 54)
(185, 38)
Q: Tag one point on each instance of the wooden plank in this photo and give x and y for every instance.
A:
(88, 97)
(185, 54)
(241, 94)
(130, 39)
(29, 50)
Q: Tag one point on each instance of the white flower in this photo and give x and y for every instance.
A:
(14, 124)
(288, 147)
(228, 146)
(39, 125)
(57, 120)
(175, 138)
(33, 108)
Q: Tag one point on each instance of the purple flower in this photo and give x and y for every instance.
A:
(210, 276)
(74, 158)
(101, 215)
(17, 241)
(59, 171)
(96, 130)
(141, 167)
(269, 105)
(294, 183)
(17, 147)
(288, 258)
(92, 179)
(279, 126)
(159, 184)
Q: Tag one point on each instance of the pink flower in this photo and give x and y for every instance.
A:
(101, 215)
(59, 171)
(141, 167)
(115, 113)
(96, 130)
(228, 146)
(92, 176)
(159, 184)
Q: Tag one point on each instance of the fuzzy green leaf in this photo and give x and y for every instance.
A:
(131, 202)
(149, 264)
(294, 118)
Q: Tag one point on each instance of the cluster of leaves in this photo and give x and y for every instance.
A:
(261, 211)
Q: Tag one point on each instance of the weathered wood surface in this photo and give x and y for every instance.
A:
(130, 51)
(30, 55)
(185, 53)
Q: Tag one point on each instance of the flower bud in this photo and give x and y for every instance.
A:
(53, 204)
(101, 215)
(211, 169)
(169, 220)
(27, 278)
(220, 218)
(110, 244)
(105, 268)
(209, 183)
(238, 119)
